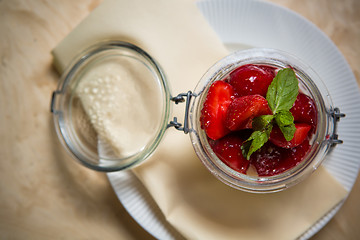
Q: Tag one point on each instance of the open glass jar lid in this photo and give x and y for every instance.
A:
(112, 108)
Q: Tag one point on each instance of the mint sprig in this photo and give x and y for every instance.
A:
(263, 126)
(281, 95)
(282, 91)
(285, 121)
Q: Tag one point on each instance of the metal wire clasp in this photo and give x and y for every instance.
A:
(336, 115)
(178, 99)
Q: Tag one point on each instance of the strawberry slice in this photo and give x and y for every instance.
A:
(277, 137)
(251, 79)
(244, 109)
(304, 110)
(213, 113)
(272, 160)
(228, 149)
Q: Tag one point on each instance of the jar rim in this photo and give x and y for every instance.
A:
(63, 97)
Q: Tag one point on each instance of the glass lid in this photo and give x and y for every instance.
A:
(112, 106)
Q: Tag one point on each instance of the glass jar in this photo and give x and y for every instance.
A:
(80, 130)
(310, 83)
(141, 86)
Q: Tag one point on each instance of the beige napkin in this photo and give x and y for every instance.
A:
(192, 200)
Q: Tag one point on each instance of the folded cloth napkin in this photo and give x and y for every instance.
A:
(192, 200)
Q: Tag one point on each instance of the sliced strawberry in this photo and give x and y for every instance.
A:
(213, 113)
(301, 133)
(228, 149)
(251, 79)
(244, 109)
(304, 110)
(272, 160)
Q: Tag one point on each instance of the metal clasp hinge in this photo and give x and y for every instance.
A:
(336, 115)
(179, 99)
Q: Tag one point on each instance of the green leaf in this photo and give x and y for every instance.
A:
(284, 118)
(285, 121)
(282, 91)
(245, 147)
(288, 131)
(255, 141)
(261, 122)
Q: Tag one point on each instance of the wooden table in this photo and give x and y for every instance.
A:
(44, 194)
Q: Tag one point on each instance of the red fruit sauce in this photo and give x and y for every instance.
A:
(227, 114)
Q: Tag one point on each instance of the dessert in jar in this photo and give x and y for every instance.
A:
(257, 117)
(263, 120)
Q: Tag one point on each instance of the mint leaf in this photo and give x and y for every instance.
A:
(288, 131)
(285, 121)
(284, 118)
(261, 122)
(255, 141)
(262, 126)
(282, 91)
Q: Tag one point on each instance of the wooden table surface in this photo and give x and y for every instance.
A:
(44, 194)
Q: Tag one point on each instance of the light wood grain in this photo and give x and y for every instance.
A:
(43, 193)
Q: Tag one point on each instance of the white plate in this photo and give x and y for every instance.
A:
(251, 23)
